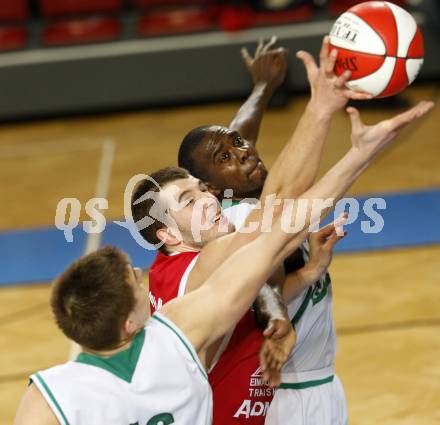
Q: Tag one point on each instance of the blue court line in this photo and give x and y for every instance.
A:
(38, 255)
(410, 219)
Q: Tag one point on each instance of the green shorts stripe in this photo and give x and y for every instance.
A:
(307, 384)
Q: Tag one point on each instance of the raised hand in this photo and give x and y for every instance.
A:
(371, 138)
(269, 64)
(328, 91)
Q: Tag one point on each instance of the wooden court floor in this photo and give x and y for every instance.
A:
(387, 303)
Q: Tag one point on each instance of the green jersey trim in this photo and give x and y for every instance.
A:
(315, 294)
(182, 339)
(228, 203)
(307, 384)
(302, 307)
(122, 364)
(52, 397)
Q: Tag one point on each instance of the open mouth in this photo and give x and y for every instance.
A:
(220, 218)
(216, 218)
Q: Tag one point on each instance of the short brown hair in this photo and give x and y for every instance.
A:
(92, 299)
(142, 209)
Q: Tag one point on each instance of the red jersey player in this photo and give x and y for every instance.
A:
(238, 389)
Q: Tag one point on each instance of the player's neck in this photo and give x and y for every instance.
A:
(107, 353)
(182, 248)
(122, 346)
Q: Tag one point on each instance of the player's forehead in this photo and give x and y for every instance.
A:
(174, 189)
(219, 129)
(216, 132)
(217, 137)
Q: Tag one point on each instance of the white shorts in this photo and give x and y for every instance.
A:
(320, 405)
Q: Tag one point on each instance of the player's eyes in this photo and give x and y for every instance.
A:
(224, 157)
(238, 141)
(187, 202)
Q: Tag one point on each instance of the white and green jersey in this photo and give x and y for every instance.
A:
(312, 359)
(159, 380)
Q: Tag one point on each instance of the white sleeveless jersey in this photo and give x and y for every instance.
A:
(311, 312)
(312, 359)
(159, 380)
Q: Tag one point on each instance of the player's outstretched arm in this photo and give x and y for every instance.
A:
(288, 177)
(367, 141)
(217, 305)
(207, 313)
(268, 71)
(33, 409)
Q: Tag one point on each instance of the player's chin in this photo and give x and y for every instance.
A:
(215, 232)
(257, 178)
(262, 177)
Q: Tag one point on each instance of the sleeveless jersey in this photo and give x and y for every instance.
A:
(238, 392)
(168, 276)
(158, 380)
(311, 312)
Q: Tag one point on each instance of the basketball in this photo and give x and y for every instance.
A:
(382, 46)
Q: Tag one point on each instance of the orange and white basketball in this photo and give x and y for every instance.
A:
(381, 44)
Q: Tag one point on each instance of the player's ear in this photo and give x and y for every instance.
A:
(168, 236)
(131, 326)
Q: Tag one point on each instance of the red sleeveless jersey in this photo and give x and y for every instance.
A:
(239, 395)
(167, 277)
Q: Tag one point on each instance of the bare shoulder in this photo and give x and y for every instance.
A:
(33, 409)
